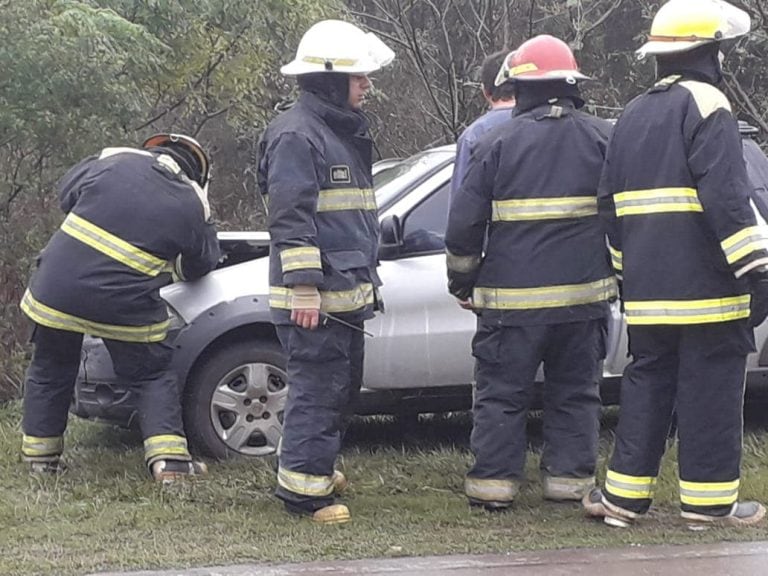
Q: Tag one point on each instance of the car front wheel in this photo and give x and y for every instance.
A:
(234, 401)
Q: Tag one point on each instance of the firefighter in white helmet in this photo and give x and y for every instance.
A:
(135, 217)
(315, 168)
(675, 199)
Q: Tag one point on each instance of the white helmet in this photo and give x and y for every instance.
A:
(336, 46)
(682, 25)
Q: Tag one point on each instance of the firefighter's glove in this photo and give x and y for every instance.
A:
(305, 306)
(758, 288)
(460, 284)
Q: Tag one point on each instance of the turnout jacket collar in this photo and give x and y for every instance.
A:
(343, 121)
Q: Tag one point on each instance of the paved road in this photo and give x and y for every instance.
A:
(745, 559)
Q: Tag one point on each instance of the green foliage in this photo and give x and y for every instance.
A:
(79, 75)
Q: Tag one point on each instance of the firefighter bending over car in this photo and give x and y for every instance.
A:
(526, 252)
(135, 218)
(315, 167)
(675, 199)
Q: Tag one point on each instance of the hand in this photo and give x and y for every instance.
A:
(305, 306)
(466, 304)
(461, 284)
(758, 288)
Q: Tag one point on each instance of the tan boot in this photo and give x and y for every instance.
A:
(340, 482)
(168, 471)
(560, 489)
(743, 514)
(334, 514)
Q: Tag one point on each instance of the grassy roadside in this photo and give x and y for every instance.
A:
(406, 499)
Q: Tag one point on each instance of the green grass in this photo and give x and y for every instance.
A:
(406, 499)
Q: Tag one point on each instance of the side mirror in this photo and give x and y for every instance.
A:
(391, 238)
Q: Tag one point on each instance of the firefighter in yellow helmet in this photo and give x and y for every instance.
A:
(134, 218)
(315, 168)
(674, 198)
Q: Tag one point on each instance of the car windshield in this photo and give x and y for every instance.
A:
(391, 181)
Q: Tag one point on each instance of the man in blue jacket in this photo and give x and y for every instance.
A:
(501, 101)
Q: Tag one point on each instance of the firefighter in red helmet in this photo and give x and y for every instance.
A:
(527, 253)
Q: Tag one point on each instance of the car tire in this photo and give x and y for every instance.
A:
(234, 401)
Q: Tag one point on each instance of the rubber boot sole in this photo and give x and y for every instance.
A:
(700, 522)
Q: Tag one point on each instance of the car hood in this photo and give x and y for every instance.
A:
(190, 299)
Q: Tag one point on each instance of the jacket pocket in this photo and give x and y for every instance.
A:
(343, 260)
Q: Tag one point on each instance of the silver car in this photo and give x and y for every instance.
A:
(418, 359)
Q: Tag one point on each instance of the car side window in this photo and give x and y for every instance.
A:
(424, 226)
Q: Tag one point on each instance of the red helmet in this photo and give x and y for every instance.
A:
(542, 57)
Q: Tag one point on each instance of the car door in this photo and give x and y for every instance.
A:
(423, 338)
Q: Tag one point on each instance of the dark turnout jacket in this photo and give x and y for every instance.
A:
(133, 221)
(315, 168)
(531, 187)
(675, 199)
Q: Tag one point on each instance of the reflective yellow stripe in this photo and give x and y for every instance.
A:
(543, 208)
(346, 199)
(166, 445)
(331, 301)
(305, 484)
(633, 487)
(52, 318)
(742, 243)
(546, 296)
(463, 264)
(709, 493)
(334, 61)
(657, 201)
(617, 258)
(490, 490)
(112, 246)
(687, 311)
(300, 258)
(37, 446)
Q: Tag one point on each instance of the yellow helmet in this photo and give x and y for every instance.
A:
(682, 25)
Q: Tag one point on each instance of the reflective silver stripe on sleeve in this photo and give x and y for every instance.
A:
(346, 199)
(463, 264)
(300, 258)
(657, 201)
(744, 242)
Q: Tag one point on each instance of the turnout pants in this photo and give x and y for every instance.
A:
(507, 360)
(50, 382)
(325, 372)
(697, 372)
